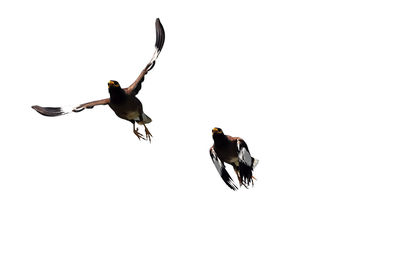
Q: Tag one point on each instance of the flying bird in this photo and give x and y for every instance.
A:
(234, 151)
(122, 101)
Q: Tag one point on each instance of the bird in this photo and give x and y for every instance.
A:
(122, 101)
(235, 152)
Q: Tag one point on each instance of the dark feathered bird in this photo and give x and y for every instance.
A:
(234, 151)
(123, 102)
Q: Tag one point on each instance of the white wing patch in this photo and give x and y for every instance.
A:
(217, 162)
(244, 155)
(66, 109)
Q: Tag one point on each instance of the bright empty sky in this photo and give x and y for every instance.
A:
(312, 86)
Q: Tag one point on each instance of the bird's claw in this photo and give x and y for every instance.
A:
(139, 135)
(148, 134)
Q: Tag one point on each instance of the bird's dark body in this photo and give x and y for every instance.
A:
(125, 106)
(226, 148)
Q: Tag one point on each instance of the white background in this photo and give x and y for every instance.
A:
(312, 86)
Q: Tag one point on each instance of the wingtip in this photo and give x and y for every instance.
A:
(36, 107)
(234, 187)
(228, 180)
(160, 35)
(49, 111)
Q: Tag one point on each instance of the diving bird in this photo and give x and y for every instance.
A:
(122, 101)
(234, 151)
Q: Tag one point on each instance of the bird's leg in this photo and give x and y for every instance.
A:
(148, 134)
(238, 176)
(252, 180)
(136, 132)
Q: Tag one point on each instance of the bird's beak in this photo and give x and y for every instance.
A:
(113, 84)
(214, 130)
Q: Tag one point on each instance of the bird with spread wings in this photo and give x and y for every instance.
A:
(235, 152)
(122, 101)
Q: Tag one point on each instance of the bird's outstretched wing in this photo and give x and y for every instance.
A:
(135, 87)
(58, 111)
(246, 163)
(221, 170)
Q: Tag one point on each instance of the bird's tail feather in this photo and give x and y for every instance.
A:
(255, 162)
(146, 119)
(246, 174)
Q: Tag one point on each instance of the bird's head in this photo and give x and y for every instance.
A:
(217, 130)
(218, 136)
(113, 84)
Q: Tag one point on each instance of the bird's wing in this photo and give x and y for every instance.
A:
(221, 170)
(135, 87)
(245, 162)
(244, 154)
(58, 111)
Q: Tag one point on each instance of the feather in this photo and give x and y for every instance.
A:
(222, 171)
